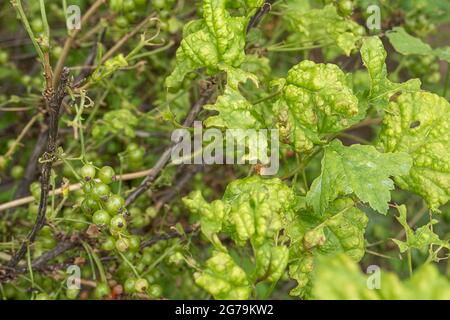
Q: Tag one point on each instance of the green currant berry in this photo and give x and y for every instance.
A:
(17, 172)
(3, 57)
(48, 242)
(101, 290)
(129, 285)
(141, 285)
(72, 294)
(101, 218)
(42, 296)
(151, 212)
(122, 244)
(87, 187)
(155, 291)
(121, 22)
(37, 25)
(147, 258)
(46, 231)
(89, 205)
(129, 5)
(136, 155)
(87, 172)
(118, 223)
(132, 146)
(109, 244)
(3, 163)
(106, 174)
(35, 189)
(116, 5)
(114, 204)
(139, 221)
(101, 191)
(135, 242)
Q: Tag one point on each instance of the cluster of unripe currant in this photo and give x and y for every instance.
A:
(105, 208)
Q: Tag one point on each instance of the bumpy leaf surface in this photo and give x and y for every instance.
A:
(325, 26)
(340, 229)
(223, 278)
(418, 124)
(252, 210)
(217, 39)
(316, 101)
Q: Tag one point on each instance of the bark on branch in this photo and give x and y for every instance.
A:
(53, 100)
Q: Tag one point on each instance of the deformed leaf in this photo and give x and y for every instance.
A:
(418, 124)
(223, 278)
(340, 229)
(325, 26)
(316, 100)
(217, 38)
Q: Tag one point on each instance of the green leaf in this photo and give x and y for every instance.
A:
(381, 88)
(418, 124)
(316, 100)
(271, 262)
(211, 214)
(223, 278)
(217, 38)
(340, 229)
(357, 169)
(252, 210)
(339, 278)
(406, 44)
(234, 110)
(420, 238)
(325, 26)
(257, 208)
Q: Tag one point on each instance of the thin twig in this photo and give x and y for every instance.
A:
(53, 100)
(72, 187)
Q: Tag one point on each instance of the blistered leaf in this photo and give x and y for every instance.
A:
(340, 229)
(211, 214)
(381, 88)
(315, 101)
(418, 124)
(257, 208)
(339, 278)
(271, 262)
(357, 169)
(217, 38)
(325, 26)
(223, 278)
